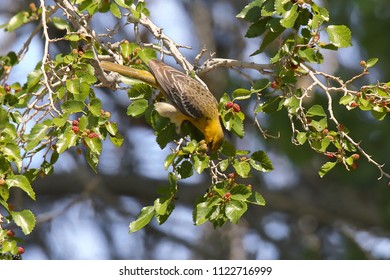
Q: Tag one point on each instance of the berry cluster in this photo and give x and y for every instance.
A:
(86, 132)
(234, 106)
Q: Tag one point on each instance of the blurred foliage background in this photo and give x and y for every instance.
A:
(345, 215)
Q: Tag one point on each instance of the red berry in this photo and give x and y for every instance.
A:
(232, 175)
(354, 166)
(274, 84)
(75, 129)
(227, 196)
(10, 233)
(236, 108)
(325, 131)
(353, 104)
(229, 105)
(93, 135)
(20, 250)
(355, 156)
(388, 184)
(330, 155)
(75, 123)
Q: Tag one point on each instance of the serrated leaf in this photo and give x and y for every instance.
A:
(234, 210)
(326, 168)
(139, 91)
(95, 107)
(240, 192)
(339, 35)
(21, 182)
(245, 12)
(346, 99)
(185, 169)
(260, 161)
(114, 9)
(72, 106)
(137, 108)
(124, 3)
(38, 132)
(301, 137)
(144, 218)
(92, 159)
(242, 168)
(201, 163)
(12, 153)
(256, 199)
(290, 17)
(25, 220)
(33, 78)
(166, 135)
(161, 205)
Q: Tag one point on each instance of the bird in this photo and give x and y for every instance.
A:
(186, 99)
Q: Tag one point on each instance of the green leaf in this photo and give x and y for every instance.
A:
(301, 137)
(124, 3)
(25, 220)
(95, 107)
(60, 23)
(339, 35)
(95, 144)
(72, 106)
(144, 218)
(371, 62)
(61, 120)
(185, 169)
(139, 91)
(260, 161)
(241, 94)
(256, 199)
(137, 108)
(319, 125)
(114, 9)
(38, 132)
(257, 28)
(346, 99)
(260, 85)
(20, 181)
(166, 135)
(117, 140)
(274, 30)
(326, 168)
(316, 110)
(242, 168)
(66, 140)
(12, 153)
(270, 106)
(251, 10)
(17, 21)
(290, 17)
(92, 159)
(234, 210)
(240, 192)
(228, 149)
(78, 88)
(161, 205)
(33, 78)
(201, 163)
